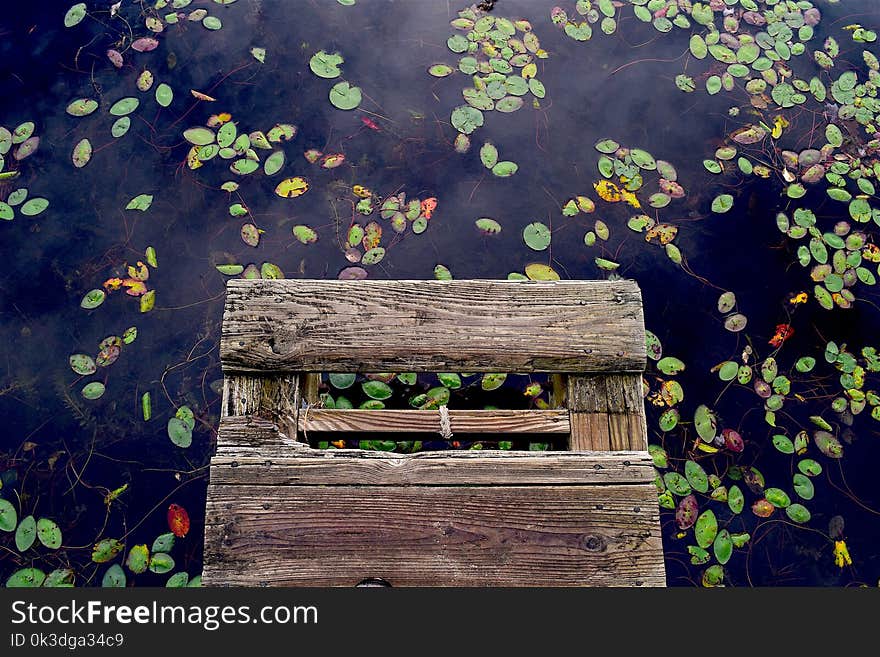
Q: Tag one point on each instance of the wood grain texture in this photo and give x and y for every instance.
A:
(254, 436)
(465, 468)
(607, 412)
(272, 397)
(433, 536)
(471, 326)
(464, 421)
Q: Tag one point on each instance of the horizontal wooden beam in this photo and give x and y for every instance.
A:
(440, 536)
(460, 421)
(439, 326)
(460, 468)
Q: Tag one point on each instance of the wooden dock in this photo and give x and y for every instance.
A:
(280, 513)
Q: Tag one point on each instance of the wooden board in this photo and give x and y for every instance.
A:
(440, 326)
(433, 536)
(465, 468)
(464, 421)
(607, 412)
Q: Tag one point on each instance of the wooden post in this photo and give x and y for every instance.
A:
(607, 412)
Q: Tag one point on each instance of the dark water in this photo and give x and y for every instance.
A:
(62, 454)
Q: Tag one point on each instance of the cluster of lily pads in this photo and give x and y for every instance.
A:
(423, 392)
(343, 95)
(24, 140)
(30, 534)
(140, 558)
(492, 49)
(220, 138)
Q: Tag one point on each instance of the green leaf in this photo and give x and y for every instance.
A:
(75, 15)
(26, 578)
(34, 207)
(163, 542)
(735, 499)
(450, 380)
(722, 203)
(344, 96)
(124, 106)
(505, 169)
(489, 155)
(164, 95)
(341, 381)
(26, 533)
(670, 365)
(803, 486)
(105, 550)
(177, 580)
(696, 476)
(798, 513)
(140, 202)
(48, 533)
(466, 119)
(723, 547)
(59, 578)
(179, 432)
(114, 577)
(783, 444)
(777, 497)
(537, 236)
(8, 516)
(706, 529)
(161, 563)
(93, 390)
(138, 559)
(376, 390)
(677, 484)
(706, 423)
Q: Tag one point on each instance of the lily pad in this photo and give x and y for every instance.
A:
(466, 119)
(48, 533)
(34, 206)
(722, 203)
(377, 390)
(73, 17)
(505, 169)
(537, 236)
(179, 432)
(25, 533)
(344, 96)
(93, 390)
(8, 516)
(82, 107)
(706, 529)
(164, 95)
(93, 299)
(82, 153)
(124, 106)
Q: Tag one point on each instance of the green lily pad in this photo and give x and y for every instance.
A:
(161, 563)
(82, 107)
(34, 206)
(179, 432)
(120, 127)
(105, 550)
(803, 486)
(326, 65)
(450, 379)
(798, 513)
(505, 169)
(164, 95)
(466, 119)
(440, 70)
(344, 96)
(26, 578)
(341, 381)
(488, 226)
(537, 236)
(670, 365)
(377, 390)
(706, 529)
(722, 203)
(677, 484)
(48, 533)
(489, 155)
(777, 497)
(82, 153)
(73, 17)
(140, 202)
(696, 476)
(114, 578)
(783, 444)
(138, 559)
(722, 547)
(25, 534)
(735, 499)
(124, 106)
(706, 423)
(8, 516)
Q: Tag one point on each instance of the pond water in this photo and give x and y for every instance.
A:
(98, 472)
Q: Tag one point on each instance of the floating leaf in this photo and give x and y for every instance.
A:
(686, 512)
(34, 207)
(179, 432)
(114, 577)
(537, 271)
(26, 578)
(722, 203)
(48, 533)
(93, 299)
(505, 169)
(670, 365)
(82, 153)
(8, 516)
(344, 96)
(292, 187)
(377, 390)
(488, 226)
(537, 236)
(140, 202)
(259, 54)
(304, 234)
(82, 364)
(706, 423)
(489, 155)
(798, 513)
(25, 534)
(73, 17)
(124, 106)
(138, 559)
(466, 119)
(105, 550)
(82, 107)
(440, 70)
(164, 95)
(706, 529)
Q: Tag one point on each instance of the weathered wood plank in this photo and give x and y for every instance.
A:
(607, 412)
(463, 421)
(433, 536)
(274, 397)
(471, 326)
(626, 412)
(357, 467)
(253, 435)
